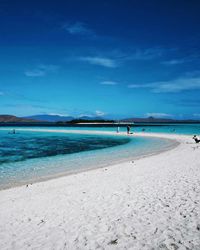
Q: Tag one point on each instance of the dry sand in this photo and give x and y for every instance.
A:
(151, 203)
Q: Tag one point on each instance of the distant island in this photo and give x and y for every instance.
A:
(53, 120)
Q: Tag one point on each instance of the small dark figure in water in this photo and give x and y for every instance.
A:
(143, 129)
(12, 132)
(128, 129)
(197, 140)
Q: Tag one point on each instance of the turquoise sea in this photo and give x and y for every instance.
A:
(29, 156)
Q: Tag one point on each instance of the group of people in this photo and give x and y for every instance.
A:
(128, 128)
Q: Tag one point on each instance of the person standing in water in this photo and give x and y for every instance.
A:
(128, 129)
(118, 128)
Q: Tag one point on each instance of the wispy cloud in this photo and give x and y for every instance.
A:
(197, 115)
(78, 28)
(99, 113)
(174, 62)
(139, 86)
(35, 73)
(137, 54)
(101, 61)
(172, 86)
(92, 114)
(109, 83)
(2, 93)
(41, 70)
(117, 58)
(159, 115)
(146, 54)
(59, 114)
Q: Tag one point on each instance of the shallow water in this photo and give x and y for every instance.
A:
(188, 129)
(31, 156)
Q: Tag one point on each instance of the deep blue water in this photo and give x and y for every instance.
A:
(27, 145)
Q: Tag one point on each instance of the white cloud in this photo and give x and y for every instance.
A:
(115, 58)
(77, 28)
(172, 86)
(35, 73)
(59, 114)
(85, 114)
(138, 86)
(101, 61)
(41, 70)
(109, 83)
(158, 115)
(92, 114)
(99, 113)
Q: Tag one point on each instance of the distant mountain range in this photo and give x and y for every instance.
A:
(156, 120)
(12, 118)
(59, 118)
(50, 118)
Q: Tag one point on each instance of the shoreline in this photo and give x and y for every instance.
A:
(151, 203)
(91, 168)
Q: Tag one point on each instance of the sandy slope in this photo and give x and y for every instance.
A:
(151, 203)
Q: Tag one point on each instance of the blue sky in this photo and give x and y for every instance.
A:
(114, 58)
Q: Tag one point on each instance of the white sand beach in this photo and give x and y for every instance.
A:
(148, 203)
